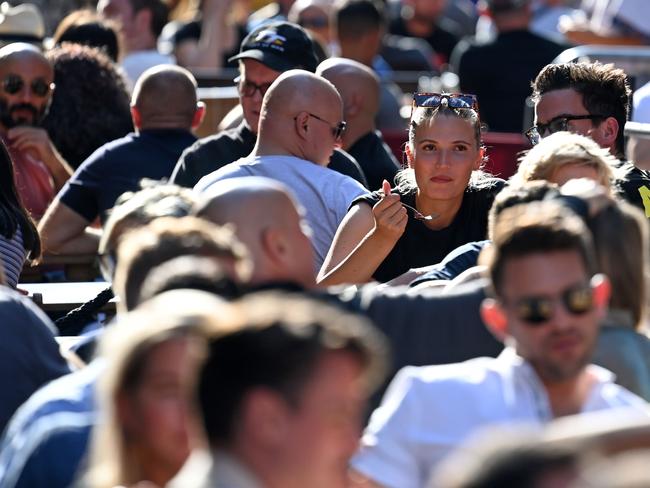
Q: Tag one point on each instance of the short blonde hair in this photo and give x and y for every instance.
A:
(561, 149)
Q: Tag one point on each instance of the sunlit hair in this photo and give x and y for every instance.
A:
(126, 348)
(405, 179)
(561, 149)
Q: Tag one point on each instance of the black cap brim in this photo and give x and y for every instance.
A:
(273, 61)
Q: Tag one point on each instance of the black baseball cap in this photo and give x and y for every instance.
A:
(281, 46)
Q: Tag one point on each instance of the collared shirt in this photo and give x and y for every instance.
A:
(214, 470)
(119, 166)
(428, 411)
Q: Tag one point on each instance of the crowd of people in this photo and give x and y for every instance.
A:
(279, 284)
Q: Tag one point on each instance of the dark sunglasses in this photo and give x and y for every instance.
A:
(454, 100)
(337, 130)
(248, 88)
(13, 84)
(315, 23)
(557, 124)
(536, 311)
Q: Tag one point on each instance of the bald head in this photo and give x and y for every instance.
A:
(298, 90)
(359, 89)
(165, 96)
(299, 117)
(352, 78)
(249, 204)
(267, 220)
(22, 51)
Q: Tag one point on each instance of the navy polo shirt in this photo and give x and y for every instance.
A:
(118, 167)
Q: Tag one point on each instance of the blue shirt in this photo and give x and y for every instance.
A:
(118, 167)
(47, 439)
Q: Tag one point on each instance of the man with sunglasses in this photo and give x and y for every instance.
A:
(593, 100)
(301, 123)
(26, 88)
(546, 307)
(265, 54)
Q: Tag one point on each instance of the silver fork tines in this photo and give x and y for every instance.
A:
(417, 215)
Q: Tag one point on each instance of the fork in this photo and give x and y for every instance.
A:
(417, 215)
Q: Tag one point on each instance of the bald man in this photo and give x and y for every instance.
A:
(269, 221)
(301, 123)
(359, 89)
(26, 87)
(164, 109)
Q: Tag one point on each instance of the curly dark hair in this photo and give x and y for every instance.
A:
(90, 105)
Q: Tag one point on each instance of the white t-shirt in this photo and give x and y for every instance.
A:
(325, 194)
(136, 63)
(428, 411)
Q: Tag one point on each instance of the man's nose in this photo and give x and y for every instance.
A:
(25, 94)
(562, 318)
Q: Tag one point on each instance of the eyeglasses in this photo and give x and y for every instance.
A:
(557, 124)
(315, 23)
(13, 84)
(536, 311)
(454, 100)
(248, 88)
(337, 130)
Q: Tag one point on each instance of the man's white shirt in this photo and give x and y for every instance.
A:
(428, 411)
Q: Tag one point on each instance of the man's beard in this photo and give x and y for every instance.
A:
(8, 120)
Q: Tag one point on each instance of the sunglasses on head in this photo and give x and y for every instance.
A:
(452, 100)
(535, 311)
(556, 124)
(13, 84)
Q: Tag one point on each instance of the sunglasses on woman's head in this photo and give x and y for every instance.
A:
(451, 100)
(13, 84)
(538, 310)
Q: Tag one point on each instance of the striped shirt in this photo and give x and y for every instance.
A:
(12, 257)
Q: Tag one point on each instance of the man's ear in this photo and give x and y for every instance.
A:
(301, 124)
(602, 290)
(274, 245)
(199, 114)
(608, 130)
(264, 418)
(353, 106)
(495, 318)
(136, 116)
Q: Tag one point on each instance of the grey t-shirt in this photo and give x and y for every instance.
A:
(324, 194)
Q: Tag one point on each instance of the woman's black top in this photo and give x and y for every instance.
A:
(420, 246)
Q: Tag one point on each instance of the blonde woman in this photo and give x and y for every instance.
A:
(564, 156)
